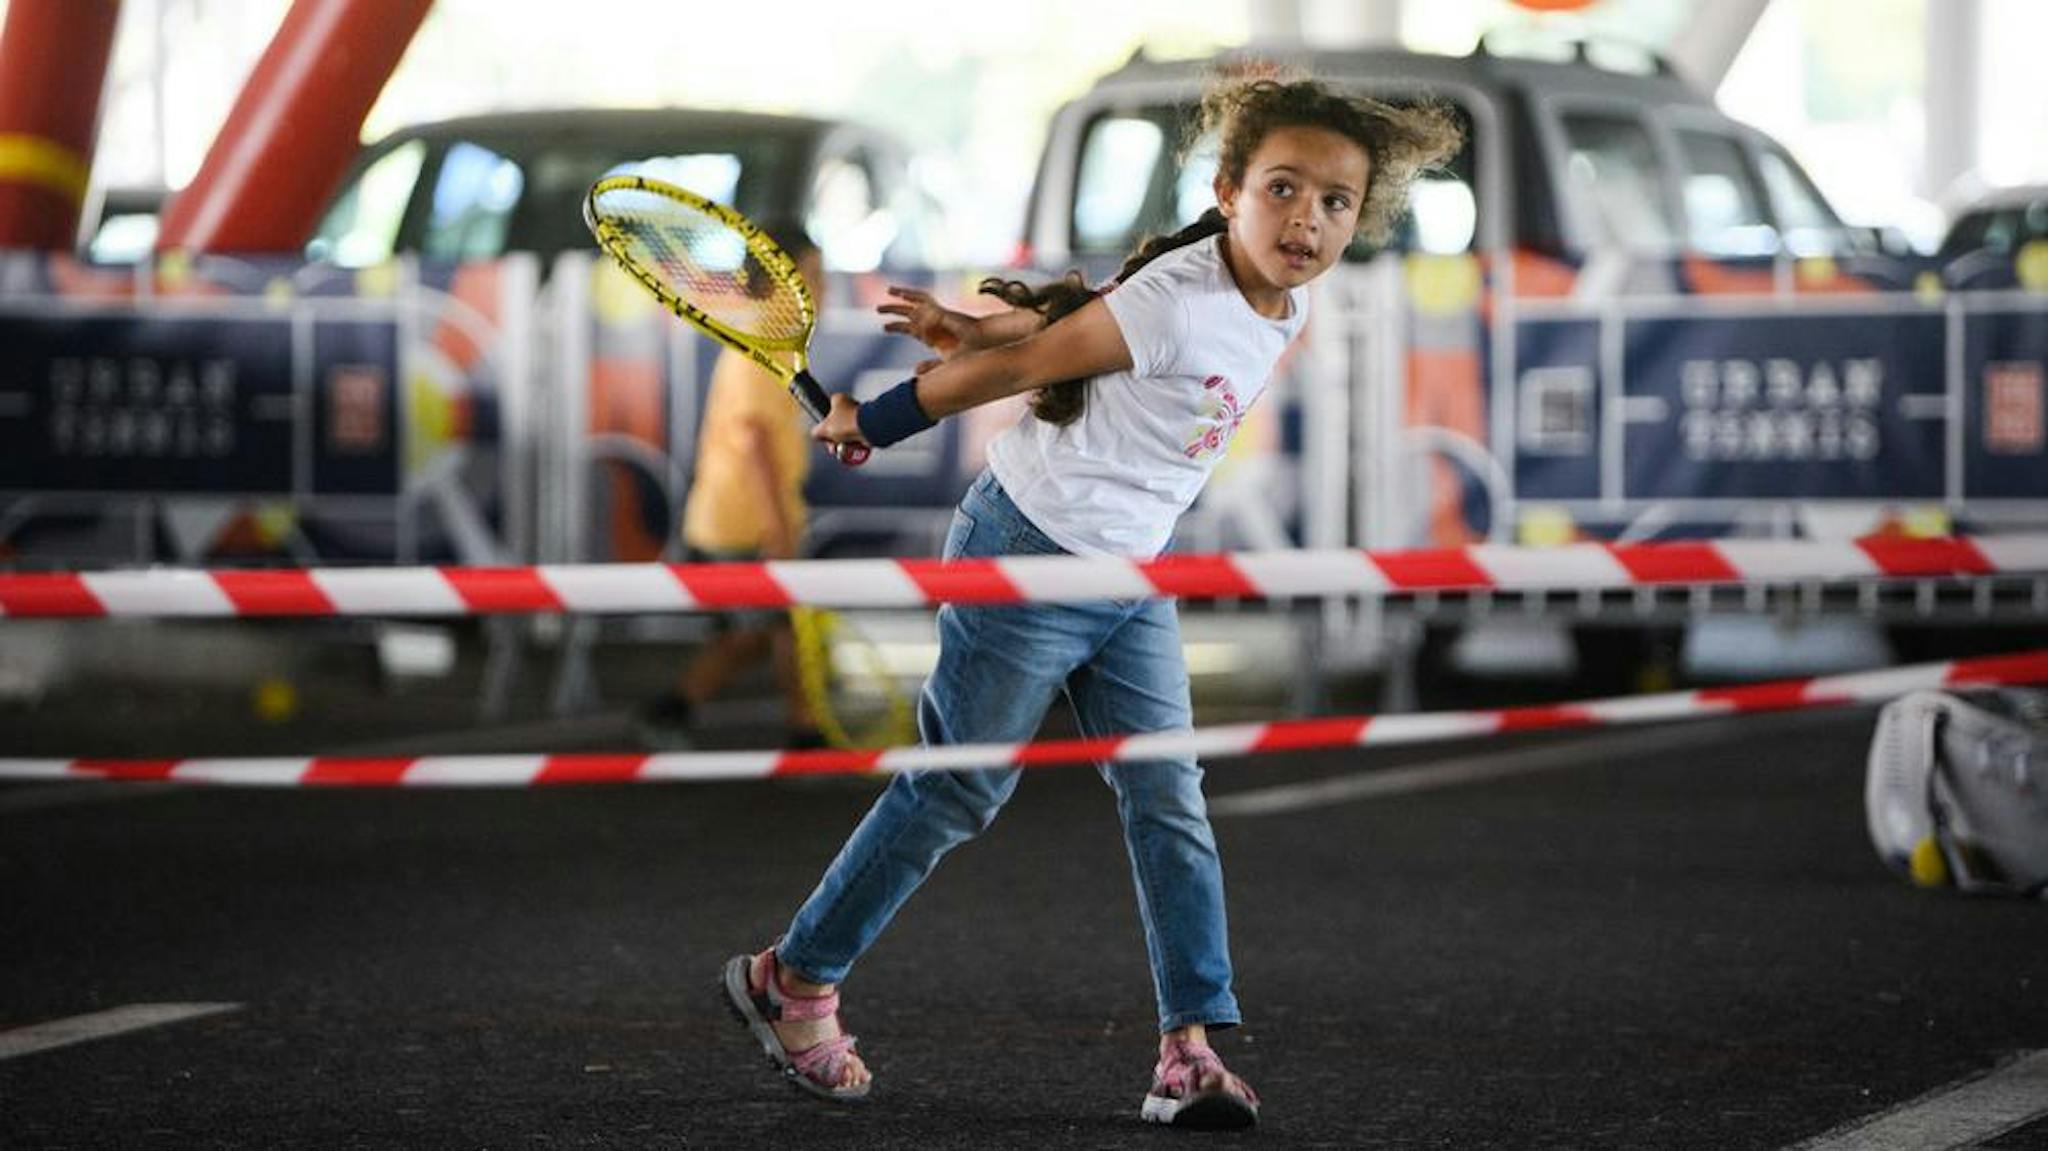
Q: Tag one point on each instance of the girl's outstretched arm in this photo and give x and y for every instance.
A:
(1083, 344)
(1086, 343)
(947, 332)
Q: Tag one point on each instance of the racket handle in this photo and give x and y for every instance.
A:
(810, 395)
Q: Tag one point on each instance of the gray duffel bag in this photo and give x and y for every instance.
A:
(1957, 791)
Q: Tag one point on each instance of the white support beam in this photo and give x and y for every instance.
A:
(1955, 94)
(1351, 23)
(1707, 48)
(1274, 23)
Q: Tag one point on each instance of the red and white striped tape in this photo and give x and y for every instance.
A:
(891, 583)
(1206, 743)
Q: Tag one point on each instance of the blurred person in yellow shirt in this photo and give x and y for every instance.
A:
(746, 504)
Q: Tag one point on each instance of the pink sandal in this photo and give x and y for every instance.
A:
(1177, 1098)
(817, 1069)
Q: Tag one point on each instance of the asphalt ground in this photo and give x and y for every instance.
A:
(1671, 937)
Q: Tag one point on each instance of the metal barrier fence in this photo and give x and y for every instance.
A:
(265, 412)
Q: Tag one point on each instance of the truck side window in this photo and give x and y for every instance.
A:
(1809, 226)
(474, 195)
(1724, 205)
(713, 175)
(361, 228)
(1120, 161)
(1443, 204)
(1614, 172)
(852, 225)
(1130, 183)
(1444, 214)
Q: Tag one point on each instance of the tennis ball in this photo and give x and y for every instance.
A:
(1543, 526)
(1816, 271)
(1444, 285)
(173, 269)
(1655, 678)
(1927, 523)
(378, 281)
(2032, 266)
(617, 298)
(1928, 866)
(276, 522)
(274, 700)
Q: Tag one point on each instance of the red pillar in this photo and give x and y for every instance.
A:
(53, 64)
(294, 128)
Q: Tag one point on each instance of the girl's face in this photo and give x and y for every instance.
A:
(1295, 212)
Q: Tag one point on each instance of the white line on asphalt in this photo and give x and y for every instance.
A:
(1961, 1114)
(1593, 750)
(100, 1024)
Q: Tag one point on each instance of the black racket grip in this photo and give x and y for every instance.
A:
(810, 395)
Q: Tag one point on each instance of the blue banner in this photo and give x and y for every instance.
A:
(157, 404)
(1784, 407)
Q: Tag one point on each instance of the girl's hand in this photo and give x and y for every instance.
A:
(840, 425)
(928, 322)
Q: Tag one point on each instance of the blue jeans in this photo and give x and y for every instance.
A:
(1119, 663)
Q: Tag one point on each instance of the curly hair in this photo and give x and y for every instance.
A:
(1401, 141)
(1057, 404)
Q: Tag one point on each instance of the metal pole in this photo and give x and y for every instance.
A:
(294, 129)
(1707, 48)
(53, 68)
(1954, 92)
(1351, 23)
(1275, 23)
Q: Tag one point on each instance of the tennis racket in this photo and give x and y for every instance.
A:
(713, 267)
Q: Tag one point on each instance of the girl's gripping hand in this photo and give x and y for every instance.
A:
(925, 320)
(841, 424)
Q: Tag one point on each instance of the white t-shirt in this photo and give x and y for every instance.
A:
(1115, 481)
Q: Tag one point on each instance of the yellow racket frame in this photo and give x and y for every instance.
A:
(818, 631)
(786, 357)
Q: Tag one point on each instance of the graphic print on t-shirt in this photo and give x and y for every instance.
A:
(1220, 415)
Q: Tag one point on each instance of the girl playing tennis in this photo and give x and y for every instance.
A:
(1139, 390)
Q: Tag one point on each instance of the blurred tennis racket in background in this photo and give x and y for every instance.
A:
(715, 268)
(845, 678)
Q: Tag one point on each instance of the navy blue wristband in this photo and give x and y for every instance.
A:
(893, 416)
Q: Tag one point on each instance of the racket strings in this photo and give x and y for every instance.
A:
(708, 263)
